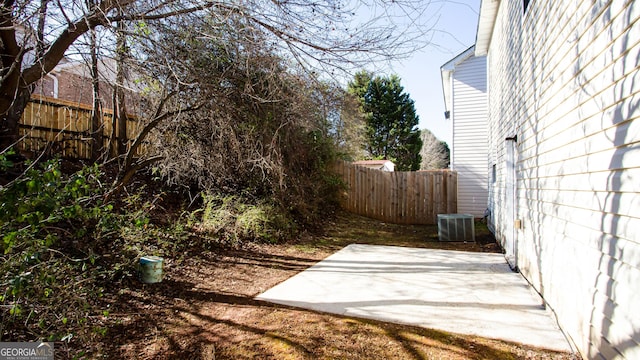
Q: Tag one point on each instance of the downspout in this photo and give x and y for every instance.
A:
(452, 118)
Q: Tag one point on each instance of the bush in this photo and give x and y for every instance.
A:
(233, 220)
(63, 249)
(44, 219)
(32, 205)
(261, 129)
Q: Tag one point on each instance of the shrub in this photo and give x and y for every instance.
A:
(45, 217)
(63, 248)
(32, 205)
(233, 220)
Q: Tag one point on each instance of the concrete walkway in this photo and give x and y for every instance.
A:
(455, 291)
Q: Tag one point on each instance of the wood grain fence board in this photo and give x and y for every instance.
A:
(379, 194)
(439, 190)
(354, 194)
(374, 194)
(370, 193)
(404, 209)
(421, 197)
(365, 194)
(452, 188)
(415, 194)
(402, 197)
(398, 197)
(64, 128)
(411, 196)
(356, 200)
(361, 196)
(357, 196)
(395, 198)
(347, 178)
(387, 195)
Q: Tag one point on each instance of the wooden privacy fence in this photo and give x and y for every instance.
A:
(64, 127)
(400, 197)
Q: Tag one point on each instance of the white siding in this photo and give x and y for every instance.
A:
(564, 78)
(469, 148)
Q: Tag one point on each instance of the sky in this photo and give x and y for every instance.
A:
(420, 74)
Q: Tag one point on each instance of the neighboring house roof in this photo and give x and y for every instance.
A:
(446, 71)
(488, 12)
(387, 165)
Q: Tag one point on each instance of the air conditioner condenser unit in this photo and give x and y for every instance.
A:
(456, 227)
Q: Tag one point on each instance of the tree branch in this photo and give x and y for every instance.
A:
(152, 125)
(126, 177)
(147, 16)
(56, 51)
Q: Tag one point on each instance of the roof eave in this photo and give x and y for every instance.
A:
(447, 69)
(486, 22)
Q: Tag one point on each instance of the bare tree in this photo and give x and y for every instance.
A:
(244, 121)
(323, 34)
(349, 128)
(434, 153)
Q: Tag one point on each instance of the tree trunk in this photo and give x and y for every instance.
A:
(119, 138)
(13, 107)
(96, 113)
(119, 103)
(122, 122)
(13, 96)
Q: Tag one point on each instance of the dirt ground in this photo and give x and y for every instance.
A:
(204, 308)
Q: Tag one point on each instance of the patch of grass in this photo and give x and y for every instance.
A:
(348, 228)
(234, 220)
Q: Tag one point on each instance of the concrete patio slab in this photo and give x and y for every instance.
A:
(455, 291)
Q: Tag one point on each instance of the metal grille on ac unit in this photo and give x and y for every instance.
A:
(456, 227)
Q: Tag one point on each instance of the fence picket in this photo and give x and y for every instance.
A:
(398, 197)
(65, 126)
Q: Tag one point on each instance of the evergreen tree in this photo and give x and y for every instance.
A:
(359, 85)
(391, 118)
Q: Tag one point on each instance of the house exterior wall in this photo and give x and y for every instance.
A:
(71, 81)
(563, 77)
(469, 122)
(76, 88)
